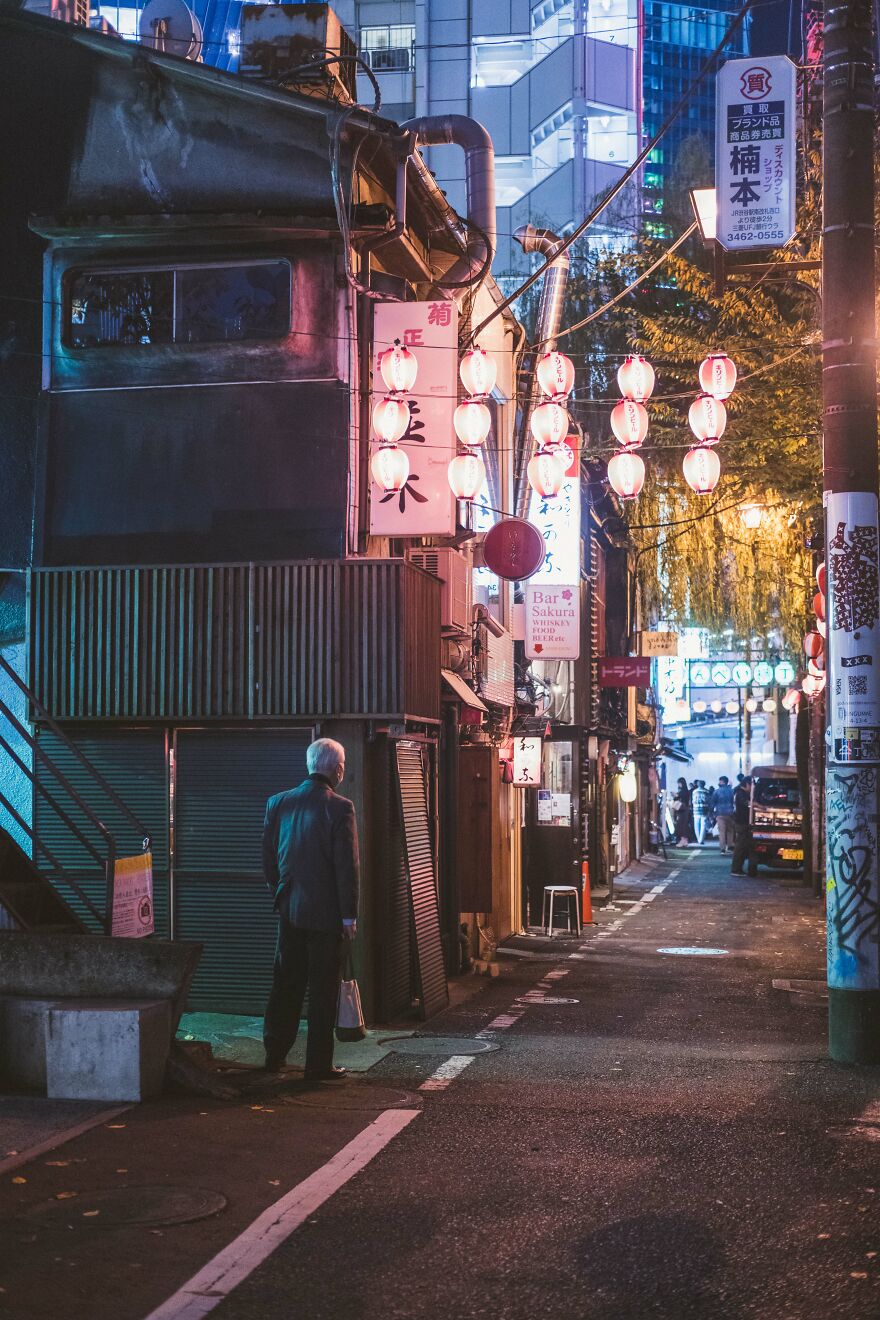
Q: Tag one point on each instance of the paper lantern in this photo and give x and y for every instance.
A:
(629, 422)
(716, 707)
(636, 379)
(626, 475)
(768, 705)
(751, 705)
(819, 606)
(549, 424)
(478, 372)
(466, 476)
(732, 707)
(707, 418)
(791, 699)
(628, 786)
(390, 420)
(399, 368)
(717, 375)
(816, 665)
(699, 707)
(555, 374)
(390, 467)
(813, 645)
(546, 473)
(472, 422)
(702, 469)
(822, 579)
(821, 627)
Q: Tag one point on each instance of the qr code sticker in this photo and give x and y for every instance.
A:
(858, 685)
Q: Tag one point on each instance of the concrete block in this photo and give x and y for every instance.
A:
(107, 1049)
(23, 1042)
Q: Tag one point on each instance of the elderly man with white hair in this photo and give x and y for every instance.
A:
(310, 861)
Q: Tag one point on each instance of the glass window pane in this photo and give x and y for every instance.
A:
(125, 307)
(222, 304)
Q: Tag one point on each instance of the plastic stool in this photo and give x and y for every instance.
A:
(571, 896)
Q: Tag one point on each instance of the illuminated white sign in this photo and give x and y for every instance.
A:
(755, 128)
(527, 762)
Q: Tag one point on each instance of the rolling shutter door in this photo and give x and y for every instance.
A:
(419, 854)
(223, 780)
(396, 926)
(134, 763)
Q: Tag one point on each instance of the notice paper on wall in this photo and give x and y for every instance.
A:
(133, 896)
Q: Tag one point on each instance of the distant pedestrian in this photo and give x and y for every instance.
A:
(310, 861)
(700, 805)
(681, 807)
(741, 796)
(723, 805)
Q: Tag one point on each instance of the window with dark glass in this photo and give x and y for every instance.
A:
(183, 305)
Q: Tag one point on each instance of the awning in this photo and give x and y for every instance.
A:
(462, 691)
(673, 753)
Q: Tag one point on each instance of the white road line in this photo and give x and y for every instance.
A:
(240, 1258)
(696, 853)
(447, 1072)
(673, 874)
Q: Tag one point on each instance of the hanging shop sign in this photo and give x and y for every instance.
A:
(853, 628)
(755, 126)
(558, 519)
(513, 549)
(424, 504)
(624, 671)
(659, 643)
(553, 624)
(133, 896)
(527, 762)
(740, 673)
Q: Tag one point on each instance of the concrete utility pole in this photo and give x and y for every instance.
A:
(849, 364)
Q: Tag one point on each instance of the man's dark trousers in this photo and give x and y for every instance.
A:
(303, 958)
(741, 840)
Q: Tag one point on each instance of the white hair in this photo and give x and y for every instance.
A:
(323, 756)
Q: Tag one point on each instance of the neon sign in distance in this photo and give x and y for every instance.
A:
(763, 673)
(784, 672)
(701, 675)
(742, 673)
(721, 675)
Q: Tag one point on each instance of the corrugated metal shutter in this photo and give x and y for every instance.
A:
(396, 925)
(419, 851)
(223, 779)
(134, 762)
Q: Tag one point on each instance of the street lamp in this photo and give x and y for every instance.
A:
(705, 206)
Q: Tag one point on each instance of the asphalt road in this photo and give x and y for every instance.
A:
(647, 1134)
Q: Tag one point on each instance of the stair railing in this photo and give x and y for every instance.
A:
(107, 859)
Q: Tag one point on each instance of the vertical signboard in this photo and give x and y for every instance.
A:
(552, 622)
(755, 125)
(527, 762)
(853, 649)
(133, 896)
(552, 595)
(425, 506)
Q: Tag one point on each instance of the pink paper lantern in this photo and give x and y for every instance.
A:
(390, 420)
(708, 418)
(636, 379)
(478, 372)
(472, 422)
(546, 473)
(629, 422)
(626, 474)
(702, 469)
(556, 375)
(466, 476)
(390, 467)
(399, 368)
(717, 375)
(549, 424)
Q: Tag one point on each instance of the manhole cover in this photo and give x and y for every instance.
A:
(123, 1207)
(361, 1095)
(437, 1045)
(686, 951)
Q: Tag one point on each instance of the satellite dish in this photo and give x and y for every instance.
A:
(171, 26)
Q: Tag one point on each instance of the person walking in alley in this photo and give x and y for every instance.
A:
(741, 796)
(681, 807)
(700, 804)
(310, 861)
(723, 806)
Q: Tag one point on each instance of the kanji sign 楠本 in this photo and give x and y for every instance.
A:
(755, 152)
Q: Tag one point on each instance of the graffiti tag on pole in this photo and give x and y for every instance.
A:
(852, 897)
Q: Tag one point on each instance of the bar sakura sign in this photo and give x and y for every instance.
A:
(552, 622)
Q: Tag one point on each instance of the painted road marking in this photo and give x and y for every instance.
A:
(447, 1072)
(240, 1258)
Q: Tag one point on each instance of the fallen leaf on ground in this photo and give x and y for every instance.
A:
(15, 1152)
(122, 1170)
(274, 1182)
(858, 1274)
(870, 1254)
(90, 1214)
(113, 1126)
(822, 1236)
(19, 1180)
(57, 1164)
(65, 1196)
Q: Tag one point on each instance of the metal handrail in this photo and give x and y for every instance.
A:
(47, 852)
(71, 746)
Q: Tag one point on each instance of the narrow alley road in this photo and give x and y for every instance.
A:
(650, 1129)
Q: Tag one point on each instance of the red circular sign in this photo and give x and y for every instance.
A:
(513, 549)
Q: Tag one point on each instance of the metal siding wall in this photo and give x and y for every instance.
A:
(395, 973)
(237, 641)
(223, 780)
(419, 851)
(134, 763)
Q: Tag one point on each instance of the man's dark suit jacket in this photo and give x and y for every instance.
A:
(310, 856)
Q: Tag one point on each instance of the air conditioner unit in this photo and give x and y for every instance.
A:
(494, 667)
(294, 45)
(453, 571)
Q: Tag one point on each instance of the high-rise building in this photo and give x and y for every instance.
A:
(677, 39)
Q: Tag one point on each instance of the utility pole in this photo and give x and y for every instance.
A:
(849, 362)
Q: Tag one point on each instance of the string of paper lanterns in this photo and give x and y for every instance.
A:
(707, 417)
(391, 416)
(473, 422)
(629, 422)
(549, 424)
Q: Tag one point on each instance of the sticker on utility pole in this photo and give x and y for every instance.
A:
(853, 642)
(755, 141)
(133, 896)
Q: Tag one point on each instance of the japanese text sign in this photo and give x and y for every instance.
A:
(558, 519)
(659, 643)
(553, 623)
(527, 762)
(624, 671)
(755, 139)
(425, 506)
(133, 896)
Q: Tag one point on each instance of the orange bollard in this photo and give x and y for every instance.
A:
(586, 901)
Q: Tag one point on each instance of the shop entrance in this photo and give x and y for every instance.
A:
(553, 825)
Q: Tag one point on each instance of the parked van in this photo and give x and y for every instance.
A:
(775, 818)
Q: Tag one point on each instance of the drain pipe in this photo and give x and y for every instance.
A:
(479, 159)
(549, 317)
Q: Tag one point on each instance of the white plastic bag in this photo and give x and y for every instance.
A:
(349, 1014)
